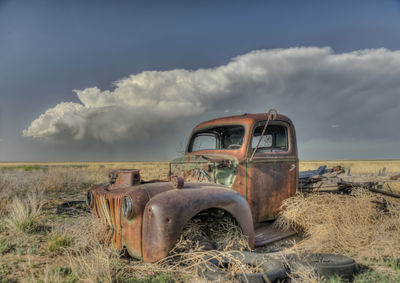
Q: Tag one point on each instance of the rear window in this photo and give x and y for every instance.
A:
(275, 138)
(220, 137)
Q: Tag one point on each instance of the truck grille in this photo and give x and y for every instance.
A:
(108, 208)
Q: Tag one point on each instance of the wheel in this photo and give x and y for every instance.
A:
(212, 268)
(204, 243)
(326, 265)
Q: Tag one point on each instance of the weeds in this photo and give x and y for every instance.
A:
(54, 274)
(17, 183)
(97, 265)
(6, 246)
(84, 233)
(162, 278)
(23, 214)
(362, 224)
(376, 277)
(58, 243)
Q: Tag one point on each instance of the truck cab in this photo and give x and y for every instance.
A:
(222, 151)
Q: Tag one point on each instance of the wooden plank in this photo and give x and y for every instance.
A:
(266, 233)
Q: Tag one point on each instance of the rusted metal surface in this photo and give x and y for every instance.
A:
(147, 217)
(107, 204)
(265, 181)
(167, 213)
(124, 178)
(274, 182)
(153, 203)
(395, 177)
(177, 181)
(266, 233)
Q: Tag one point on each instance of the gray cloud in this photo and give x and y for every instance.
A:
(331, 96)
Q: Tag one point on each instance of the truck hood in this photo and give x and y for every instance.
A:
(208, 168)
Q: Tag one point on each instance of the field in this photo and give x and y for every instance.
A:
(40, 244)
(357, 166)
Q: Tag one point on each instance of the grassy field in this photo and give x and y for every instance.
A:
(148, 170)
(37, 244)
(159, 170)
(356, 166)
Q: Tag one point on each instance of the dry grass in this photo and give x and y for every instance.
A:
(91, 259)
(300, 273)
(188, 254)
(364, 224)
(356, 166)
(148, 170)
(84, 240)
(97, 265)
(86, 232)
(23, 214)
(19, 183)
(225, 233)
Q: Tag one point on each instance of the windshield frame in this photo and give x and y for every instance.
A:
(204, 131)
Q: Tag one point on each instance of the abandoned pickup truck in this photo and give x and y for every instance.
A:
(241, 166)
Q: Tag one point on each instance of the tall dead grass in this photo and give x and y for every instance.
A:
(188, 253)
(225, 233)
(89, 254)
(86, 232)
(18, 183)
(362, 224)
(301, 273)
(23, 213)
(100, 264)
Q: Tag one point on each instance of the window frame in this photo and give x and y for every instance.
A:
(267, 153)
(200, 132)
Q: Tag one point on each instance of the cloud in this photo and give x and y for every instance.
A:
(315, 86)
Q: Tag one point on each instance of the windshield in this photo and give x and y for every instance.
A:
(220, 137)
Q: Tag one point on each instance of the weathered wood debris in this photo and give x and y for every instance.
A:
(340, 180)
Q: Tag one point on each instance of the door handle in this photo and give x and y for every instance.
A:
(292, 167)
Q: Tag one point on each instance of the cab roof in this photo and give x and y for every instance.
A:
(241, 119)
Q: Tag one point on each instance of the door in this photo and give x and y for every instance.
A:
(272, 174)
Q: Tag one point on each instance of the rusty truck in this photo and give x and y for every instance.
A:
(241, 166)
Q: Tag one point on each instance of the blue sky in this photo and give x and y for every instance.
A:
(50, 48)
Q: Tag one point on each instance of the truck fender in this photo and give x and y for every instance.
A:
(166, 215)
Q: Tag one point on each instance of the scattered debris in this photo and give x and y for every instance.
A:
(75, 207)
(335, 180)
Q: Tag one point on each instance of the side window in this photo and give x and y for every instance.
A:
(275, 138)
(204, 141)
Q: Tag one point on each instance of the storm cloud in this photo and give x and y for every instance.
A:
(331, 96)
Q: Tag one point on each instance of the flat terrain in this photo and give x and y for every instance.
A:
(357, 166)
(41, 243)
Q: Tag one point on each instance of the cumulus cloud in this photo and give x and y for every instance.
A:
(319, 88)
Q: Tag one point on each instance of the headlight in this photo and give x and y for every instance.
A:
(89, 199)
(127, 208)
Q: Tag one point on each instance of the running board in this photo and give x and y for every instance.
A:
(266, 233)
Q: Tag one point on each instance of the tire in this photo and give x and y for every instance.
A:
(273, 270)
(204, 243)
(326, 265)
